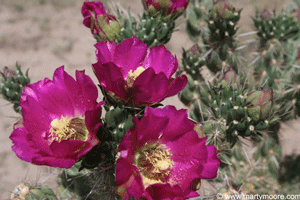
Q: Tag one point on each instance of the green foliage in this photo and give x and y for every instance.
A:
(153, 30)
(27, 192)
(12, 84)
(93, 184)
(282, 27)
(118, 122)
(196, 18)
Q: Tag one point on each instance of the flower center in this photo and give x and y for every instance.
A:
(133, 75)
(67, 128)
(154, 162)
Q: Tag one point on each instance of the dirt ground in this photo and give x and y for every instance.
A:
(45, 34)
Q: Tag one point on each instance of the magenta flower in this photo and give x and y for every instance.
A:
(101, 24)
(60, 119)
(167, 6)
(162, 157)
(136, 75)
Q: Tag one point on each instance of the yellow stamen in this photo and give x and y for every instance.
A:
(154, 163)
(67, 128)
(133, 75)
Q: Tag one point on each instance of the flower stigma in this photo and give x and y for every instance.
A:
(133, 75)
(154, 163)
(67, 128)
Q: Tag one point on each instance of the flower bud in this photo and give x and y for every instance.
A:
(229, 78)
(167, 7)
(259, 104)
(194, 51)
(222, 7)
(265, 15)
(9, 73)
(103, 26)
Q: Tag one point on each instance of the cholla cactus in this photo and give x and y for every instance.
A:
(118, 121)
(222, 24)
(275, 34)
(282, 27)
(26, 192)
(152, 30)
(288, 98)
(232, 110)
(135, 149)
(278, 52)
(193, 60)
(12, 84)
(196, 14)
(257, 172)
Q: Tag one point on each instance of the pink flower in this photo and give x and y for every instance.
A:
(163, 157)
(101, 24)
(60, 119)
(168, 6)
(136, 75)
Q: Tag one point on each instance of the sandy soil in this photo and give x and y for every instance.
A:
(43, 36)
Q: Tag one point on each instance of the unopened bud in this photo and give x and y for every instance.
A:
(259, 104)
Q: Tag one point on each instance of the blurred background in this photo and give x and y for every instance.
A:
(44, 34)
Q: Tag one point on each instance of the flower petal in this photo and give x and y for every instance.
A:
(130, 54)
(105, 51)
(177, 85)
(23, 147)
(161, 60)
(84, 93)
(129, 181)
(150, 87)
(111, 78)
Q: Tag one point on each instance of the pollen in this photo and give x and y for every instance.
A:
(133, 75)
(67, 128)
(154, 162)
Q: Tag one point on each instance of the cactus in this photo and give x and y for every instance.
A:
(282, 27)
(278, 53)
(232, 110)
(257, 172)
(152, 30)
(195, 24)
(192, 61)
(95, 184)
(288, 96)
(25, 191)
(118, 121)
(93, 178)
(222, 24)
(12, 84)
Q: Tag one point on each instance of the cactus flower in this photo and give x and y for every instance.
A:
(164, 157)
(259, 104)
(60, 119)
(103, 26)
(135, 75)
(172, 7)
